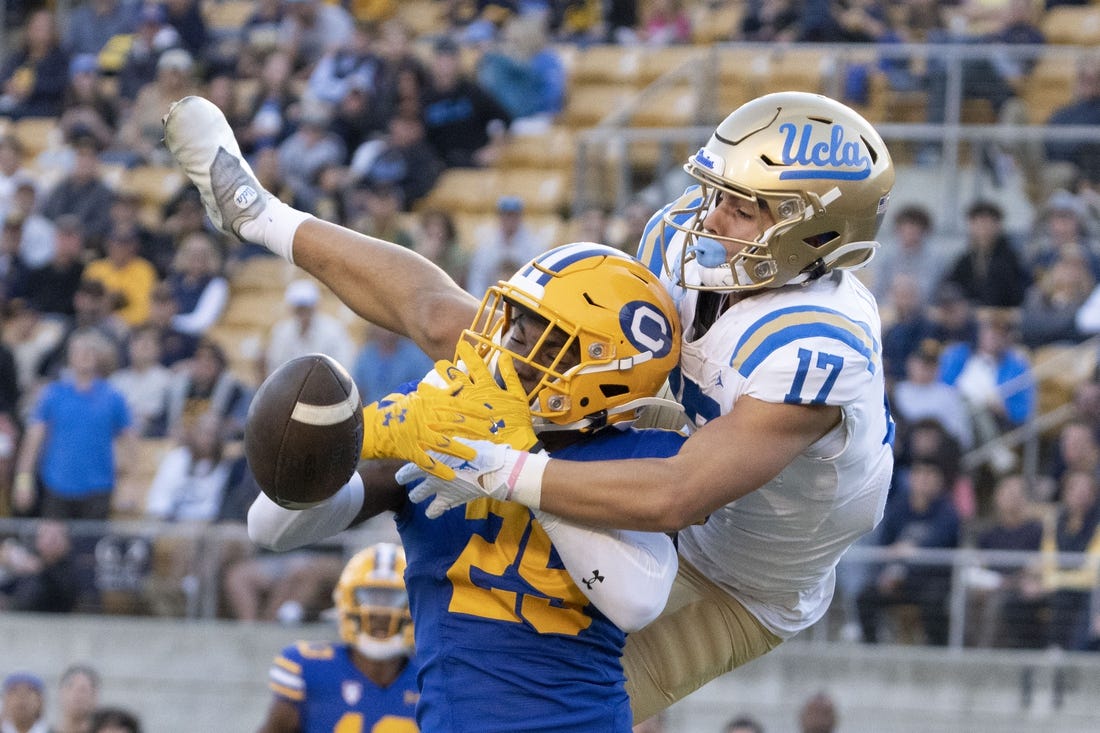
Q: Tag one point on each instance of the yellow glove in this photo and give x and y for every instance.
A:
(509, 407)
(408, 426)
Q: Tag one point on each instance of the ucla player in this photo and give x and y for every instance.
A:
(780, 370)
(367, 684)
(588, 335)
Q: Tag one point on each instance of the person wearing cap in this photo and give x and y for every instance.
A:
(909, 248)
(309, 150)
(1061, 227)
(84, 105)
(401, 158)
(502, 246)
(307, 330)
(464, 123)
(127, 275)
(989, 271)
(23, 704)
(152, 37)
(920, 395)
(140, 131)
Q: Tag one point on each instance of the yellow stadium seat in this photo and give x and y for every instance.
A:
(607, 64)
(552, 149)
(154, 184)
(588, 104)
(793, 69)
(36, 134)
(659, 61)
(463, 189)
(227, 14)
(542, 191)
(676, 106)
(1049, 86)
(262, 273)
(1077, 25)
(128, 498)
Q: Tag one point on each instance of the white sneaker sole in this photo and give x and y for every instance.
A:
(198, 136)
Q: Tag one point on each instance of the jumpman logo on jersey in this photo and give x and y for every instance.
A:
(718, 381)
(596, 578)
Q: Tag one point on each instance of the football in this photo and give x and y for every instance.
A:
(304, 431)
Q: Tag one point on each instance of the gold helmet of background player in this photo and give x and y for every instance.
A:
(819, 168)
(372, 604)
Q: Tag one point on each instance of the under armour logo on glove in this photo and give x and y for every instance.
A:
(596, 578)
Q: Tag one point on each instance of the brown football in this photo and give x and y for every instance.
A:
(304, 431)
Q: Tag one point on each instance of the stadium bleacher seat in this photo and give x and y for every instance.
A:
(588, 104)
(554, 149)
(607, 64)
(128, 499)
(1072, 24)
(36, 134)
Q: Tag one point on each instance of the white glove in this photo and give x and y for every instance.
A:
(496, 472)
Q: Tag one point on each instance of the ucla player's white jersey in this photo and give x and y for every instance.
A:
(776, 549)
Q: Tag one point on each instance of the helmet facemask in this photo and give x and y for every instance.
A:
(377, 622)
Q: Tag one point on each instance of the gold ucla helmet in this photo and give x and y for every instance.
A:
(610, 334)
(821, 170)
(371, 602)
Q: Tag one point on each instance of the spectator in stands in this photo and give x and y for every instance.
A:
(83, 191)
(43, 575)
(1003, 620)
(128, 277)
(310, 27)
(922, 518)
(114, 720)
(206, 384)
(1077, 449)
(186, 17)
(343, 68)
(85, 106)
(289, 587)
(182, 214)
(524, 74)
(94, 308)
(437, 239)
(23, 706)
(187, 490)
(1062, 225)
(921, 395)
(818, 714)
(1076, 529)
(51, 287)
(175, 346)
(77, 698)
(307, 330)
(743, 724)
(400, 158)
(94, 23)
(311, 148)
(145, 383)
(908, 250)
(33, 77)
(771, 20)
(69, 445)
(996, 78)
(272, 108)
(1065, 159)
(374, 208)
(953, 316)
(141, 132)
(12, 270)
(664, 23)
(403, 77)
(12, 170)
(31, 338)
(152, 37)
(502, 247)
(260, 32)
(994, 379)
(153, 246)
(907, 327)
(385, 361)
(990, 271)
(1053, 302)
(37, 236)
(464, 123)
(198, 285)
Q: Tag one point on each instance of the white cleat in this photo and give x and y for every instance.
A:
(200, 139)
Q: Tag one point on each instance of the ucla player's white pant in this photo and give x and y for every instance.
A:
(702, 634)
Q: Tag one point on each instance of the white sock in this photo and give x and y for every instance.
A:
(274, 228)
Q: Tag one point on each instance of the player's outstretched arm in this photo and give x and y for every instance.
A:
(383, 282)
(371, 491)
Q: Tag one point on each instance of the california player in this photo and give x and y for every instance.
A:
(589, 335)
(367, 684)
(792, 188)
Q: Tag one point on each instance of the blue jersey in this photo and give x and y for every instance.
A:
(333, 696)
(507, 643)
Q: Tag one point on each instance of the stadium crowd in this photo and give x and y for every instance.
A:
(113, 295)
